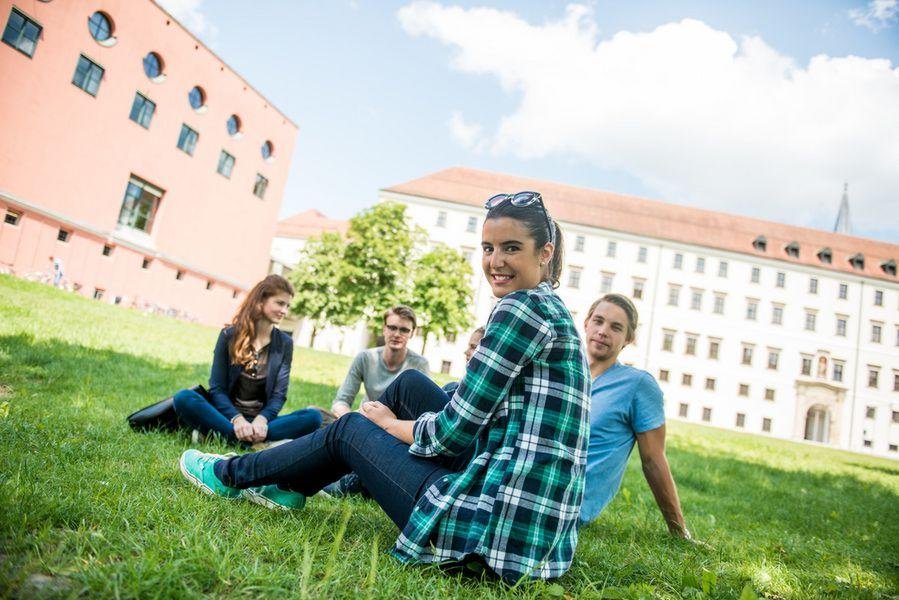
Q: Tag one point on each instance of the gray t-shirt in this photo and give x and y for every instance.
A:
(368, 367)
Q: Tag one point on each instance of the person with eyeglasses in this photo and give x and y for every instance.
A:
(249, 377)
(490, 480)
(376, 368)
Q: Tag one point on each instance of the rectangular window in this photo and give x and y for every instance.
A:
(714, 345)
(606, 283)
(690, 347)
(98, 293)
(812, 286)
(810, 318)
(696, 300)
(743, 389)
(722, 268)
(139, 205)
(226, 164)
(766, 425)
(12, 217)
(756, 274)
(895, 416)
(876, 331)
(894, 447)
(873, 374)
(612, 249)
(895, 381)
(806, 368)
(667, 341)
(441, 219)
(781, 279)
(741, 421)
(641, 254)
(208, 284)
(578, 243)
(638, 289)
(260, 186)
(878, 297)
(445, 366)
(870, 412)
(769, 394)
(773, 358)
(179, 275)
(718, 309)
(710, 383)
(22, 33)
(867, 443)
(146, 263)
(187, 139)
(678, 261)
(752, 309)
(747, 354)
(682, 410)
(777, 315)
(574, 277)
(472, 225)
(87, 75)
(142, 110)
(837, 371)
(673, 295)
(841, 326)
(107, 250)
(700, 264)
(844, 291)
(63, 235)
(686, 379)
(663, 374)
(706, 414)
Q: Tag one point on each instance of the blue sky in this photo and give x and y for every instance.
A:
(760, 108)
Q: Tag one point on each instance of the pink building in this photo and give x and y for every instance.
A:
(133, 154)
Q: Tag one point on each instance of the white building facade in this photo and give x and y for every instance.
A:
(746, 324)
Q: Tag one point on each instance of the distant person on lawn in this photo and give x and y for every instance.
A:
(490, 480)
(626, 406)
(250, 374)
(474, 340)
(376, 368)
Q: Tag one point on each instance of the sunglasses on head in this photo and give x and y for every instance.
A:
(521, 200)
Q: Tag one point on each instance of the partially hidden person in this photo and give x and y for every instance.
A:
(250, 374)
(474, 340)
(489, 480)
(626, 408)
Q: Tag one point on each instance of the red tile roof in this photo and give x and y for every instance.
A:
(309, 223)
(639, 216)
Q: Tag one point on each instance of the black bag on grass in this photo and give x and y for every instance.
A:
(161, 415)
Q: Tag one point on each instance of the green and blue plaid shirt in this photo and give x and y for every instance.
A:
(524, 403)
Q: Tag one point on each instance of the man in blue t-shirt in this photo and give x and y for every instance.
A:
(626, 407)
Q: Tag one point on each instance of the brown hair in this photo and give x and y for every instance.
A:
(241, 347)
(625, 304)
(402, 311)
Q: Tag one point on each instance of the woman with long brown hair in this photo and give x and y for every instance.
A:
(250, 374)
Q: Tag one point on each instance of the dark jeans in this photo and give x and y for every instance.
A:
(195, 411)
(393, 477)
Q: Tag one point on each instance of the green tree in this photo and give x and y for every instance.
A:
(441, 293)
(316, 280)
(377, 257)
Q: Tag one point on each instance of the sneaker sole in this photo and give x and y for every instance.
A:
(263, 501)
(198, 483)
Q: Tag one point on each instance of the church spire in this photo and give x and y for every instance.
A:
(842, 225)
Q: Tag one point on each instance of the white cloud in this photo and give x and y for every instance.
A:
(469, 135)
(189, 14)
(877, 15)
(698, 116)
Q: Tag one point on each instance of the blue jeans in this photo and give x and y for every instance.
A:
(393, 477)
(196, 412)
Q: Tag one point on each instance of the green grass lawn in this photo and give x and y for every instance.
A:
(89, 508)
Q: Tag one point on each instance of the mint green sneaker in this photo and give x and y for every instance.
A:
(273, 497)
(197, 467)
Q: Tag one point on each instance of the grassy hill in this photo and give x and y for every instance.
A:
(89, 508)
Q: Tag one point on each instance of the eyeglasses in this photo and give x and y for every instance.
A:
(522, 199)
(395, 329)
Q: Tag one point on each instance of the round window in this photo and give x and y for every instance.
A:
(233, 125)
(99, 26)
(196, 97)
(267, 150)
(152, 65)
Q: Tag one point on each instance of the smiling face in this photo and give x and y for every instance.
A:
(274, 308)
(605, 332)
(510, 260)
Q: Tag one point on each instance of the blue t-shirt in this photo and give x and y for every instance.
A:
(624, 402)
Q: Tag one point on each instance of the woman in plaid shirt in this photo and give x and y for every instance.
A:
(492, 477)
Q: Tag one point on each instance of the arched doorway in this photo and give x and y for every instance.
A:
(817, 424)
